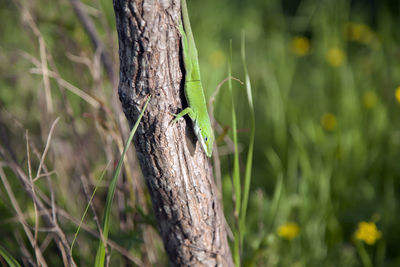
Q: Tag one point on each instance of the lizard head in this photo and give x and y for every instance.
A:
(205, 135)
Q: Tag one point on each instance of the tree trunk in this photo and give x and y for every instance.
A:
(177, 172)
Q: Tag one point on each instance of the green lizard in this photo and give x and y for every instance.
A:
(194, 93)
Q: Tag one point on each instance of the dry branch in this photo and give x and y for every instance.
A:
(177, 172)
(94, 37)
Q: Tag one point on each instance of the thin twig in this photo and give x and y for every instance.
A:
(63, 83)
(27, 257)
(217, 164)
(94, 233)
(46, 147)
(90, 202)
(94, 37)
(46, 174)
(60, 212)
(46, 80)
(217, 151)
(28, 19)
(35, 244)
(39, 257)
(46, 241)
(61, 239)
(214, 95)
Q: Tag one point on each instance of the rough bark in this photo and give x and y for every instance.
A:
(177, 172)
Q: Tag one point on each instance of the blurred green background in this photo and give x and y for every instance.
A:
(326, 87)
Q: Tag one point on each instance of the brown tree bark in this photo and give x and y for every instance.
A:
(177, 172)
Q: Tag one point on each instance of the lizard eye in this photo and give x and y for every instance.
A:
(205, 139)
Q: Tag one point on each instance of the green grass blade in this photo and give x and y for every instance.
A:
(100, 255)
(236, 171)
(8, 257)
(88, 205)
(249, 161)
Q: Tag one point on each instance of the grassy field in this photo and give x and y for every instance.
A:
(325, 79)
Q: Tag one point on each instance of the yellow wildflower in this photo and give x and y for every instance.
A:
(397, 93)
(335, 57)
(289, 230)
(369, 99)
(216, 58)
(367, 232)
(359, 32)
(300, 45)
(328, 121)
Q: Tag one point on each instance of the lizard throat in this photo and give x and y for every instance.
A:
(197, 132)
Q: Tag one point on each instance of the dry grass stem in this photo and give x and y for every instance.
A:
(39, 257)
(46, 147)
(33, 190)
(63, 83)
(46, 81)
